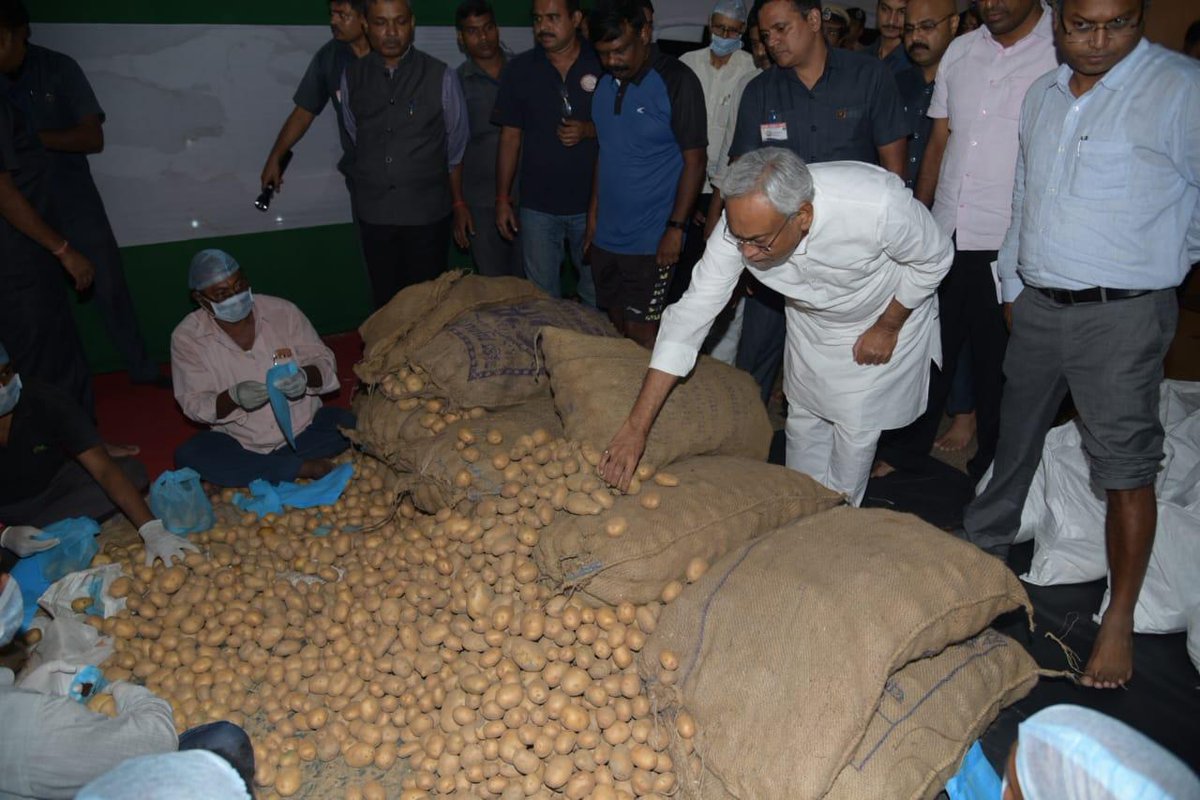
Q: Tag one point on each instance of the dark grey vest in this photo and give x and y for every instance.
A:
(400, 173)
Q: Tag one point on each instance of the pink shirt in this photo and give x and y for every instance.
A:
(980, 86)
(206, 362)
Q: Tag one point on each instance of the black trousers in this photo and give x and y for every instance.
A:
(970, 317)
(693, 251)
(398, 256)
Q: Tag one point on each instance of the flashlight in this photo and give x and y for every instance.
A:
(263, 203)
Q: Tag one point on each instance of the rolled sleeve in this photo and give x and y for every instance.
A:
(939, 104)
(685, 325)
(454, 107)
(311, 94)
(78, 90)
(916, 243)
(508, 111)
(195, 383)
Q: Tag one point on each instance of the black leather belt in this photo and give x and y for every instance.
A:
(1096, 294)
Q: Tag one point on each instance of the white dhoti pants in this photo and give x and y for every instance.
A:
(834, 456)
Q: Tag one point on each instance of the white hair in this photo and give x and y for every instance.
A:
(776, 173)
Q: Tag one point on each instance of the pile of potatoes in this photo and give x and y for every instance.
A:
(374, 634)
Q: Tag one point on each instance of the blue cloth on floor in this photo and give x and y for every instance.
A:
(76, 548)
(266, 498)
(279, 402)
(177, 498)
(976, 780)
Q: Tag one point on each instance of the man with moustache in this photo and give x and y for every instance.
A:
(929, 27)
(889, 48)
(967, 176)
(320, 85)
(1105, 225)
(407, 116)
(544, 108)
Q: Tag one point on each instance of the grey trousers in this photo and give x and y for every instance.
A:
(1110, 357)
(72, 492)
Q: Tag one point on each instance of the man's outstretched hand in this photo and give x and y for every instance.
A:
(620, 461)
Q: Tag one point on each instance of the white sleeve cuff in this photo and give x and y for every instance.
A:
(673, 358)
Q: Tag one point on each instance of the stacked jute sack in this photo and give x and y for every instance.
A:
(847, 655)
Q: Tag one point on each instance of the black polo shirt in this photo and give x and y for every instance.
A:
(916, 94)
(321, 84)
(853, 109)
(48, 430)
(22, 157)
(897, 60)
(479, 162)
(534, 97)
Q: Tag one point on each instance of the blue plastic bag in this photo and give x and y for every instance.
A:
(178, 499)
(976, 780)
(266, 498)
(76, 548)
(279, 402)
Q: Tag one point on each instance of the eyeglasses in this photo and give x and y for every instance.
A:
(220, 294)
(925, 26)
(762, 248)
(1082, 29)
(726, 31)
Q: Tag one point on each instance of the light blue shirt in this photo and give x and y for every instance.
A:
(1107, 189)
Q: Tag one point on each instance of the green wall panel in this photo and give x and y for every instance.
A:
(265, 12)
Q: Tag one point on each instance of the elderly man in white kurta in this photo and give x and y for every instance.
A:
(858, 261)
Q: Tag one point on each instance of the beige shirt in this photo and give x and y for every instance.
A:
(205, 362)
(722, 92)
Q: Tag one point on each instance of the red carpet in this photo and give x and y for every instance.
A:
(150, 418)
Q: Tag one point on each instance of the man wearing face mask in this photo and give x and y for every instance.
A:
(53, 466)
(220, 356)
(860, 339)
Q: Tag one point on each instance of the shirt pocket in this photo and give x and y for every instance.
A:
(1102, 169)
(848, 125)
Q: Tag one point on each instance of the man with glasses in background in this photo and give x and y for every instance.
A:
(929, 28)
(1105, 225)
(858, 261)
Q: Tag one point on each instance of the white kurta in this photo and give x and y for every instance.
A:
(722, 92)
(870, 241)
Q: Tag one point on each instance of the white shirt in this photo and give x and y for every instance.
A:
(722, 91)
(980, 85)
(870, 242)
(50, 746)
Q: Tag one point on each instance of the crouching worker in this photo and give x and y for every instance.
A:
(220, 355)
(51, 745)
(53, 466)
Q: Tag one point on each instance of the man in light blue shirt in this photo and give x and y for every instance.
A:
(1105, 223)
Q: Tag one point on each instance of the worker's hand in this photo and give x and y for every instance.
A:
(79, 268)
(573, 131)
(249, 395)
(620, 461)
(876, 345)
(464, 227)
(272, 174)
(1008, 316)
(161, 543)
(506, 221)
(293, 386)
(700, 219)
(669, 248)
(25, 540)
(589, 233)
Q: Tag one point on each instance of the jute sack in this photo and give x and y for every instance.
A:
(715, 411)
(785, 644)
(720, 503)
(931, 711)
(420, 312)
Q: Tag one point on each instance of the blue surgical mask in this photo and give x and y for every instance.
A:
(9, 395)
(234, 309)
(722, 47)
(12, 611)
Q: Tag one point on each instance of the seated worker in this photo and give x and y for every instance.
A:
(54, 466)
(51, 745)
(220, 355)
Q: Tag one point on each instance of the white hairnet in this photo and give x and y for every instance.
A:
(1071, 753)
(209, 267)
(734, 9)
(184, 775)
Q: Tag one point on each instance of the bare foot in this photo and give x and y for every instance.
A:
(1111, 663)
(958, 435)
(122, 450)
(316, 468)
(882, 469)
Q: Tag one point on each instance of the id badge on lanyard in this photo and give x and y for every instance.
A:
(774, 129)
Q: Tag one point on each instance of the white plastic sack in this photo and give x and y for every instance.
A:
(93, 583)
(67, 640)
(1193, 639)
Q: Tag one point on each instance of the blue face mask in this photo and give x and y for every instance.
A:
(9, 395)
(12, 611)
(234, 309)
(722, 47)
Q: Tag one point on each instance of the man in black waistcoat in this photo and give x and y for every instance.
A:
(406, 113)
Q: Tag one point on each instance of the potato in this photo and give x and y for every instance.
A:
(696, 569)
(651, 500)
(359, 754)
(287, 781)
(616, 526)
(171, 580)
(666, 479)
(120, 587)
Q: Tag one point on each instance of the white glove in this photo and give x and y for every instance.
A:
(23, 540)
(249, 395)
(293, 386)
(161, 543)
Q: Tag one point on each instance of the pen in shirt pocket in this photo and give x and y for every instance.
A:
(1079, 145)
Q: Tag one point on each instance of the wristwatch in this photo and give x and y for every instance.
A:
(679, 226)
